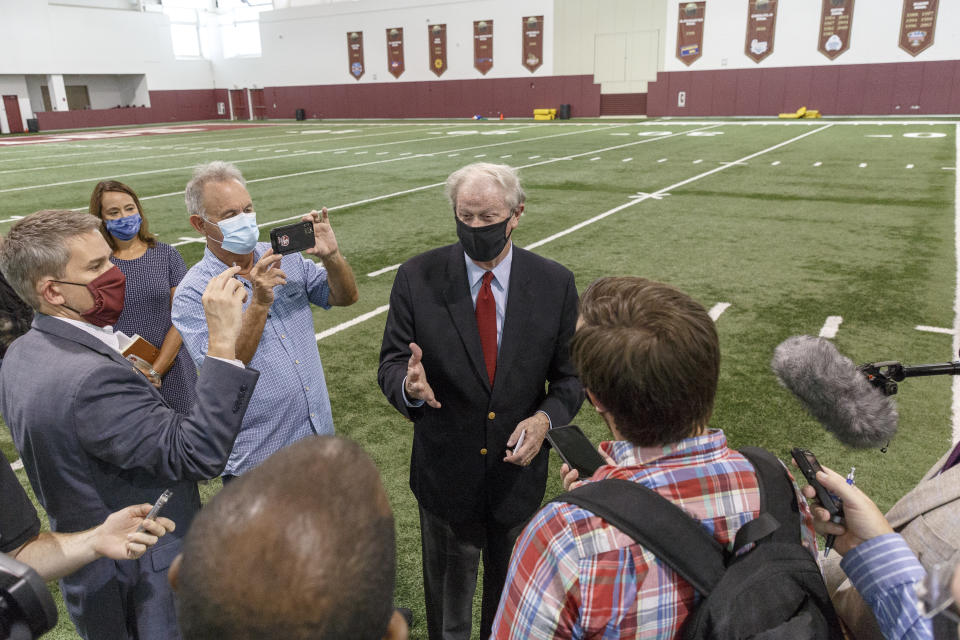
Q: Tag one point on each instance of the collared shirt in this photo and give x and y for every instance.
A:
(500, 286)
(105, 334)
(290, 400)
(886, 572)
(573, 575)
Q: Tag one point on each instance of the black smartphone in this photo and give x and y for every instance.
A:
(575, 449)
(807, 462)
(292, 238)
(157, 506)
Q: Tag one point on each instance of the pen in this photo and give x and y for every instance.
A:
(831, 538)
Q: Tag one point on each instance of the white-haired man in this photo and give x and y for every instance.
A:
(277, 337)
(476, 332)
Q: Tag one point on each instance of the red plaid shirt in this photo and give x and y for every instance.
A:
(572, 575)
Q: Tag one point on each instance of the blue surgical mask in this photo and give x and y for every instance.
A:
(240, 233)
(124, 228)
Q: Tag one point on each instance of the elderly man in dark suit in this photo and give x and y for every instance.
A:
(476, 330)
(94, 435)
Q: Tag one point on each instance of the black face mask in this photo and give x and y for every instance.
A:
(483, 244)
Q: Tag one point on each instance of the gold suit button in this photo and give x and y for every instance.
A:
(491, 415)
(483, 451)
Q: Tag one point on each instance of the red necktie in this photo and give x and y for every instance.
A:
(487, 324)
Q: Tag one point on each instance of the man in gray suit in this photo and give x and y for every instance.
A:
(94, 435)
(928, 518)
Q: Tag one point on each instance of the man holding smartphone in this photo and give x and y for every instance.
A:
(476, 332)
(649, 358)
(278, 336)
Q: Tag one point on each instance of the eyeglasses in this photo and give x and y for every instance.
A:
(933, 593)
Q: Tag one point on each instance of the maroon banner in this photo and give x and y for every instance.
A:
(917, 25)
(395, 51)
(355, 53)
(690, 31)
(836, 22)
(761, 28)
(483, 45)
(437, 45)
(532, 28)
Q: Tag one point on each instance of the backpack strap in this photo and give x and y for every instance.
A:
(779, 511)
(662, 527)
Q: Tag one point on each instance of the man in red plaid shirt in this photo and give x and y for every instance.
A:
(649, 358)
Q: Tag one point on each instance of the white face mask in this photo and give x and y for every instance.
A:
(240, 233)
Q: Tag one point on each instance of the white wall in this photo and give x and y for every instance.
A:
(874, 37)
(308, 45)
(41, 38)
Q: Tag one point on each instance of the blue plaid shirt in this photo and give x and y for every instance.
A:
(290, 401)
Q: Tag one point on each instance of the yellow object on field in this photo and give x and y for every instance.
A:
(802, 112)
(544, 116)
(545, 112)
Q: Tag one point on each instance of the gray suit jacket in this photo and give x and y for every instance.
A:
(95, 437)
(928, 518)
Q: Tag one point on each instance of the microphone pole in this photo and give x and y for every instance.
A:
(886, 375)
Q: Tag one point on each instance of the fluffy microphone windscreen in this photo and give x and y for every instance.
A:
(835, 392)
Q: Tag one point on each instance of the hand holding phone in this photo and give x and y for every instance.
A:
(809, 466)
(292, 238)
(575, 449)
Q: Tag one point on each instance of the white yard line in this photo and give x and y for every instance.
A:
(349, 323)
(717, 310)
(928, 329)
(956, 301)
(831, 326)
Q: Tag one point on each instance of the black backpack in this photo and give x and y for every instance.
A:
(774, 591)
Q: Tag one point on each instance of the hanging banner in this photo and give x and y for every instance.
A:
(917, 24)
(483, 45)
(836, 22)
(437, 46)
(395, 51)
(761, 28)
(355, 53)
(690, 31)
(532, 28)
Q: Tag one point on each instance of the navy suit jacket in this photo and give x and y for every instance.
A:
(457, 470)
(94, 437)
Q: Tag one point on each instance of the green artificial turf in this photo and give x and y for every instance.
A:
(811, 219)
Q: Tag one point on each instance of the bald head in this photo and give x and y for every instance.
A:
(300, 547)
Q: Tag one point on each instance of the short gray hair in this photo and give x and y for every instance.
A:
(36, 247)
(204, 174)
(501, 174)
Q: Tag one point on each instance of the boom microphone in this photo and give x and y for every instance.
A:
(835, 392)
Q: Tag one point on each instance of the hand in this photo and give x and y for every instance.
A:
(571, 477)
(862, 519)
(416, 386)
(117, 537)
(223, 306)
(148, 372)
(536, 427)
(326, 244)
(264, 276)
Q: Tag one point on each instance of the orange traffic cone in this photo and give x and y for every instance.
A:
(501, 115)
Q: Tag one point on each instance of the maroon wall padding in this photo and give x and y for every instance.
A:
(865, 89)
(622, 104)
(166, 106)
(488, 97)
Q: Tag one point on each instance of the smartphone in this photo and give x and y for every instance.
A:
(157, 506)
(807, 462)
(292, 238)
(575, 449)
